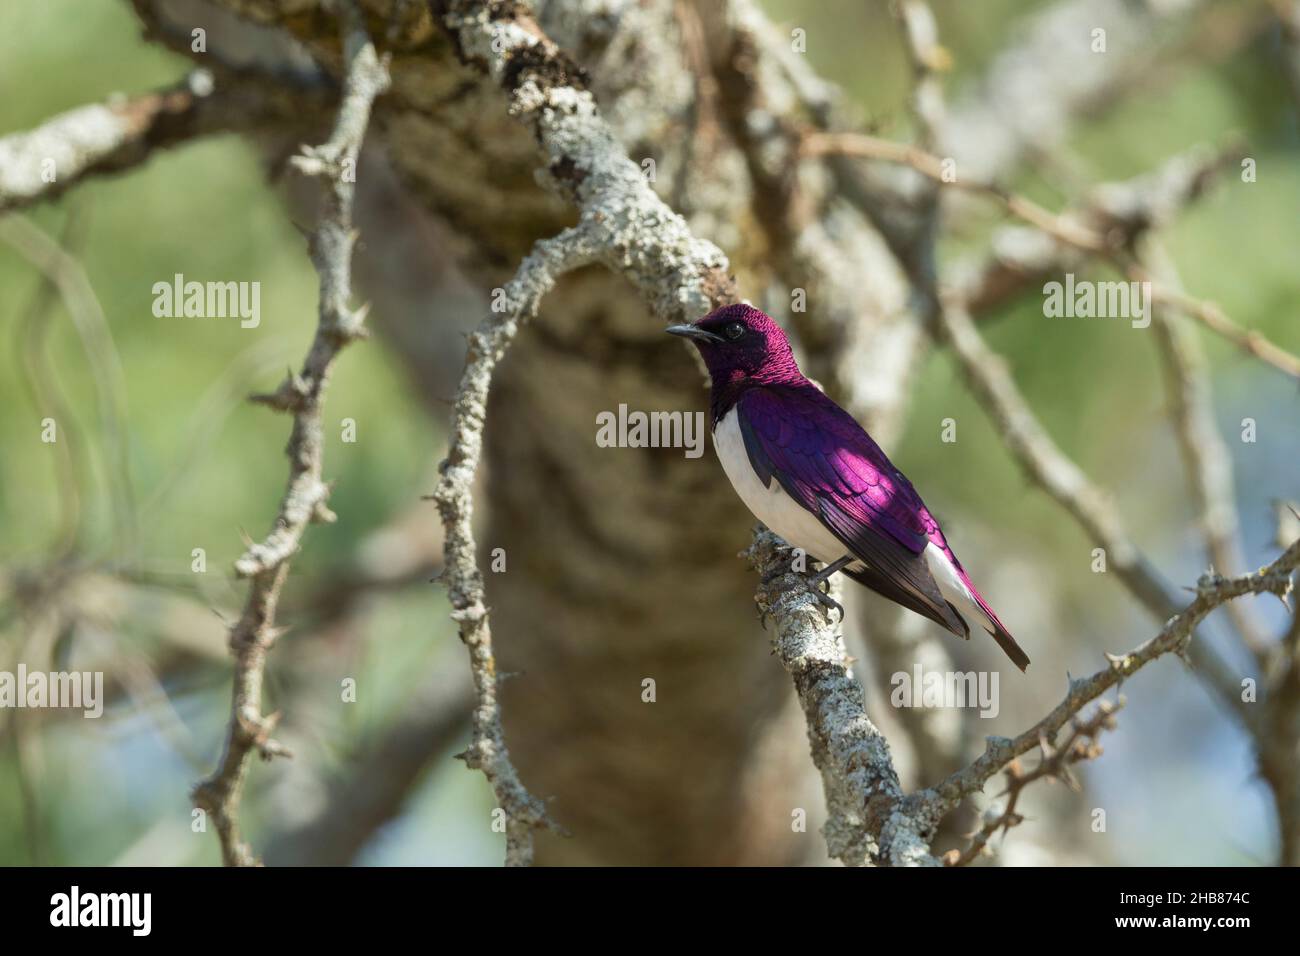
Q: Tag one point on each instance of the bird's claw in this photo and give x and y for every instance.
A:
(812, 584)
(827, 601)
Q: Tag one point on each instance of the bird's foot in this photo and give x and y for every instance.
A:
(825, 573)
(828, 602)
(814, 583)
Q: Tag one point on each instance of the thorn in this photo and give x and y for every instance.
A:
(321, 514)
(272, 635)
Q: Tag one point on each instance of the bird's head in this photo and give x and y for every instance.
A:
(739, 343)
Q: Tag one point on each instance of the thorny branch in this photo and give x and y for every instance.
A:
(487, 751)
(1134, 211)
(1051, 469)
(1206, 459)
(302, 394)
(870, 820)
(1055, 764)
(1212, 592)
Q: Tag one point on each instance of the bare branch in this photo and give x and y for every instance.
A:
(929, 59)
(1212, 592)
(1055, 765)
(945, 172)
(1124, 211)
(870, 819)
(1048, 74)
(304, 501)
(622, 224)
(1208, 464)
(857, 770)
(1049, 467)
(487, 750)
(122, 134)
(1065, 228)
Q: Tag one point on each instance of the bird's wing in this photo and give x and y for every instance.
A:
(826, 462)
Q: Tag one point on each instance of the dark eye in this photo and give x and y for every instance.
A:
(734, 331)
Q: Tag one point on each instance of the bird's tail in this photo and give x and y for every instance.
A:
(1010, 647)
(1002, 635)
(970, 607)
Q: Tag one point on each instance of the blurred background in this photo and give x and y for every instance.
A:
(160, 455)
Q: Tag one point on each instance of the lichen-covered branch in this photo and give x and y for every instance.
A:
(487, 750)
(636, 234)
(266, 564)
(871, 820)
(101, 137)
(622, 224)
(104, 138)
(858, 774)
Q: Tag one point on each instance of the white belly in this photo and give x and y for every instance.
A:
(771, 505)
(802, 529)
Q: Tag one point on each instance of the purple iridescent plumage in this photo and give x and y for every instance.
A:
(796, 438)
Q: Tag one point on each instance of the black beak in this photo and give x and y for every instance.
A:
(694, 332)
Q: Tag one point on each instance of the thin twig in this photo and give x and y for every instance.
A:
(1053, 471)
(1205, 456)
(1065, 228)
(947, 173)
(1055, 764)
(929, 60)
(487, 751)
(266, 564)
(1212, 592)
